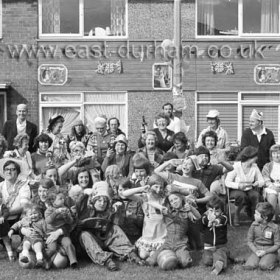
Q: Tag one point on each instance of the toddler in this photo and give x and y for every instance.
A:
(214, 223)
(263, 239)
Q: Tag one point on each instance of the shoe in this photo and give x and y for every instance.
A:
(74, 265)
(24, 259)
(134, 258)
(218, 267)
(47, 265)
(111, 265)
(12, 258)
(39, 263)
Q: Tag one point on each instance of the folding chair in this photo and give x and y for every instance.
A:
(229, 201)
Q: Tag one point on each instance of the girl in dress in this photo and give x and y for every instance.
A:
(154, 229)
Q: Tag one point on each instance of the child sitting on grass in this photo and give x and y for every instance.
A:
(58, 216)
(35, 241)
(214, 223)
(263, 239)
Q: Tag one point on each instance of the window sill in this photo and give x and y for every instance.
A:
(83, 39)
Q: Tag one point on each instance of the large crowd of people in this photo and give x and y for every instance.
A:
(89, 193)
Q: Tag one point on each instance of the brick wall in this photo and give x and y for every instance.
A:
(20, 22)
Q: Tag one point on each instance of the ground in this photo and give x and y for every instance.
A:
(237, 245)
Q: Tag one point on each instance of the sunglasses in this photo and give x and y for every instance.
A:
(10, 169)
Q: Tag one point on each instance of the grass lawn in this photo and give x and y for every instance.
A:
(237, 245)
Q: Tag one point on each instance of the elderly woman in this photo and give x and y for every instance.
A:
(151, 150)
(79, 133)
(180, 147)
(14, 188)
(244, 182)
(100, 139)
(214, 125)
(271, 175)
(119, 156)
(40, 157)
(21, 142)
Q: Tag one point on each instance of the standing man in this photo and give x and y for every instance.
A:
(258, 136)
(113, 125)
(14, 127)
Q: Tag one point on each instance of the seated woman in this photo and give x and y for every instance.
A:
(245, 182)
(181, 145)
(21, 142)
(15, 189)
(99, 237)
(120, 156)
(271, 176)
(210, 140)
(40, 158)
(151, 151)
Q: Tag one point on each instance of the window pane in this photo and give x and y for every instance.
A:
(217, 17)
(260, 16)
(60, 16)
(2, 111)
(69, 98)
(270, 117)
(110, 15)
(217, 96)
(105, 97)
(260, 96)
(228, 117)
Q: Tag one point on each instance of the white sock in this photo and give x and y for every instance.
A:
(39, 256)
(10, 253)
(24, 253)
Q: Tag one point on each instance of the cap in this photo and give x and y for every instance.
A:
(213, 114)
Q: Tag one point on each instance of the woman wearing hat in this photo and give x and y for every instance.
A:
(257, 135)
(120, 156)
(39, 159)
(214, 125)
(245, 182)
(79, 133)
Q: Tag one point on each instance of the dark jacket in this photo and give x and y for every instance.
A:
(10, 132)
(267, 140)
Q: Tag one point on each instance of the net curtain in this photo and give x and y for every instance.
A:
(51, 16)
(269, 16)
(118, 13)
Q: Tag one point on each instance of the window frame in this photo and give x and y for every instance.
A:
(79, 35)
(240, 104)
(1, 20)
(4, 93)
(80, 104)
(240, 27)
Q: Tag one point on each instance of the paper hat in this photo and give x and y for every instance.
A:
(100, 120)
(121, 138)
(213, 114)
(195, 162)
(78, 122)
(256, 115)
(100, 189)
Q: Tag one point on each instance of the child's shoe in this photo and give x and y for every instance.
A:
(134, 258)
(39, 263)
(47, 264)
(24, 259)
(218, 267)
(111, 265)
(74, 265)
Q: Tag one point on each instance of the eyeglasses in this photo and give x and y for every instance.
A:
(10, 169)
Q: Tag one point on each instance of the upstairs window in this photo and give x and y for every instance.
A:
(237, 18)
(0, 18)
(83, 18)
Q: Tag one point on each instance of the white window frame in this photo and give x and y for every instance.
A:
(1, 19)
(79, 35)
(240, 27)
(240, 104)
(80, 104)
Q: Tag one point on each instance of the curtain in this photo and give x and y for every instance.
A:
(69, 114)
(269, 16)
(109, 110)
(205, 16)
(51, 16)
(118, 14)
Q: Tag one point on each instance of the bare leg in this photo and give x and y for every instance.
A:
(38, 249)
(7, 243)
(25, 251)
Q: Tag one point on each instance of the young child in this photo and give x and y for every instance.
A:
(214, 223)
(4, 228)
(33, 221)
(154, 230)
(58, 216)
(177, 216)
(263, 239)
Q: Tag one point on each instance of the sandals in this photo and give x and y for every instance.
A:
(134, 258)
(111, 265)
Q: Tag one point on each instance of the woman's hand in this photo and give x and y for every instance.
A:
(53, 236)
(1, 220)
(110, 153)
